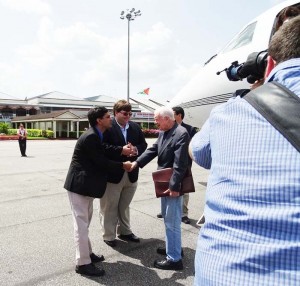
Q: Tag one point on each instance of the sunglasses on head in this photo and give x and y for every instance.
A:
(125, 113)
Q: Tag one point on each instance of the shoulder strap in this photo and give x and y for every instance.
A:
(281, 107)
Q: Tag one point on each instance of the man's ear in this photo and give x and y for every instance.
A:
(270, 65)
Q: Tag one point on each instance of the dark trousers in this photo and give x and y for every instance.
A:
(22, 144)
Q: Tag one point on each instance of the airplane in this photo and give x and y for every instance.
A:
(207, 89)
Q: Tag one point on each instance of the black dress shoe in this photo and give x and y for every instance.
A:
(111, 243)
(89, 270)
(96, 258)
(185, 220)
(162, 251)
(159, 215)
(129, 237)
(168, 264)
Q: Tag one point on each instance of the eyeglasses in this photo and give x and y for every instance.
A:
(125, 113)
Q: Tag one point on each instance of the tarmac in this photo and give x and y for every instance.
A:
(36, 228)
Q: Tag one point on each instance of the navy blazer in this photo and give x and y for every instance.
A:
(88, 170)
(172, 152)
(115, 141)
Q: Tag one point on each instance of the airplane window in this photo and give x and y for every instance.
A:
(241, 39)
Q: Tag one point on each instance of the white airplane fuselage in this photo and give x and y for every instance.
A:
(207, 89)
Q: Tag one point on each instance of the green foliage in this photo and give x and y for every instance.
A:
(33, 133)
(49, 133)
(4, 127)
(12, 131)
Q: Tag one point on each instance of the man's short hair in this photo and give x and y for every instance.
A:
(121, 105)
(165, 111)
(95, 113)
(285, 44)
(286, 14)
(179, 110)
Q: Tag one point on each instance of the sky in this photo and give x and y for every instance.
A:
(79, 47)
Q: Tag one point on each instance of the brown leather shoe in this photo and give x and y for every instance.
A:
(89, 270)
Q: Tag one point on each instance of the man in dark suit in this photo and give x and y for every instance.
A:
(171, 148)
(179, 115)
(86, 180)
(121, 186)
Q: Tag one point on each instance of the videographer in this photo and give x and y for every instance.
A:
(252, 231)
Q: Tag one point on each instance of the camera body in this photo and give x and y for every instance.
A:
(253, 69)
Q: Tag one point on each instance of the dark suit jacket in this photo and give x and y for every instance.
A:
(192, 131)
(115, 141)
(87, 174)
(172, 153)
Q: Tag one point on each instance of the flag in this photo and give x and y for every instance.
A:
(145, 91)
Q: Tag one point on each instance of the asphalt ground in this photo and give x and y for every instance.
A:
(36, 228)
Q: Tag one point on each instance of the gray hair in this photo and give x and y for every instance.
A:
(165, 111)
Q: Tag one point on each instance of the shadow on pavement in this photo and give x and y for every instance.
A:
(128, 273)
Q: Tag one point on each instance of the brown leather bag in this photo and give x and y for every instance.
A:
(162, 178)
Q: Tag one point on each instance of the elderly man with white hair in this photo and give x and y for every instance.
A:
(171, 148)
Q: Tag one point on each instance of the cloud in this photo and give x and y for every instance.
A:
(28, 6)
(77, 58)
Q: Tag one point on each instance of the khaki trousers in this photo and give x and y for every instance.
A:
(82, 211)
(114, 208)
(185, 202)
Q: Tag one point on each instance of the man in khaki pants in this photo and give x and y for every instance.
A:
(85, 181)
(121, 186)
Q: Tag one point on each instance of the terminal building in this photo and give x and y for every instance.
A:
(63, 113)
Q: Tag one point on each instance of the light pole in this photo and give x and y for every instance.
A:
(130, 16)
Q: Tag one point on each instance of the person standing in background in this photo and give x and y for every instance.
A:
(179, 115)
(22, 133)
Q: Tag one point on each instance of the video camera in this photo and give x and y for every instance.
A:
(253, 69)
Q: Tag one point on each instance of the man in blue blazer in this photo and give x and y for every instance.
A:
(171, 148)
(86, 180)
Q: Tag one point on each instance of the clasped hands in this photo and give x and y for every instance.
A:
(129, 150)
(129, 166)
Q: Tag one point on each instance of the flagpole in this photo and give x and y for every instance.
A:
(130, 16)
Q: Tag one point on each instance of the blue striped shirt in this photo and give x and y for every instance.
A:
(251, 234)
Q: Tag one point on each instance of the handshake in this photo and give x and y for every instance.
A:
(129, 166)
